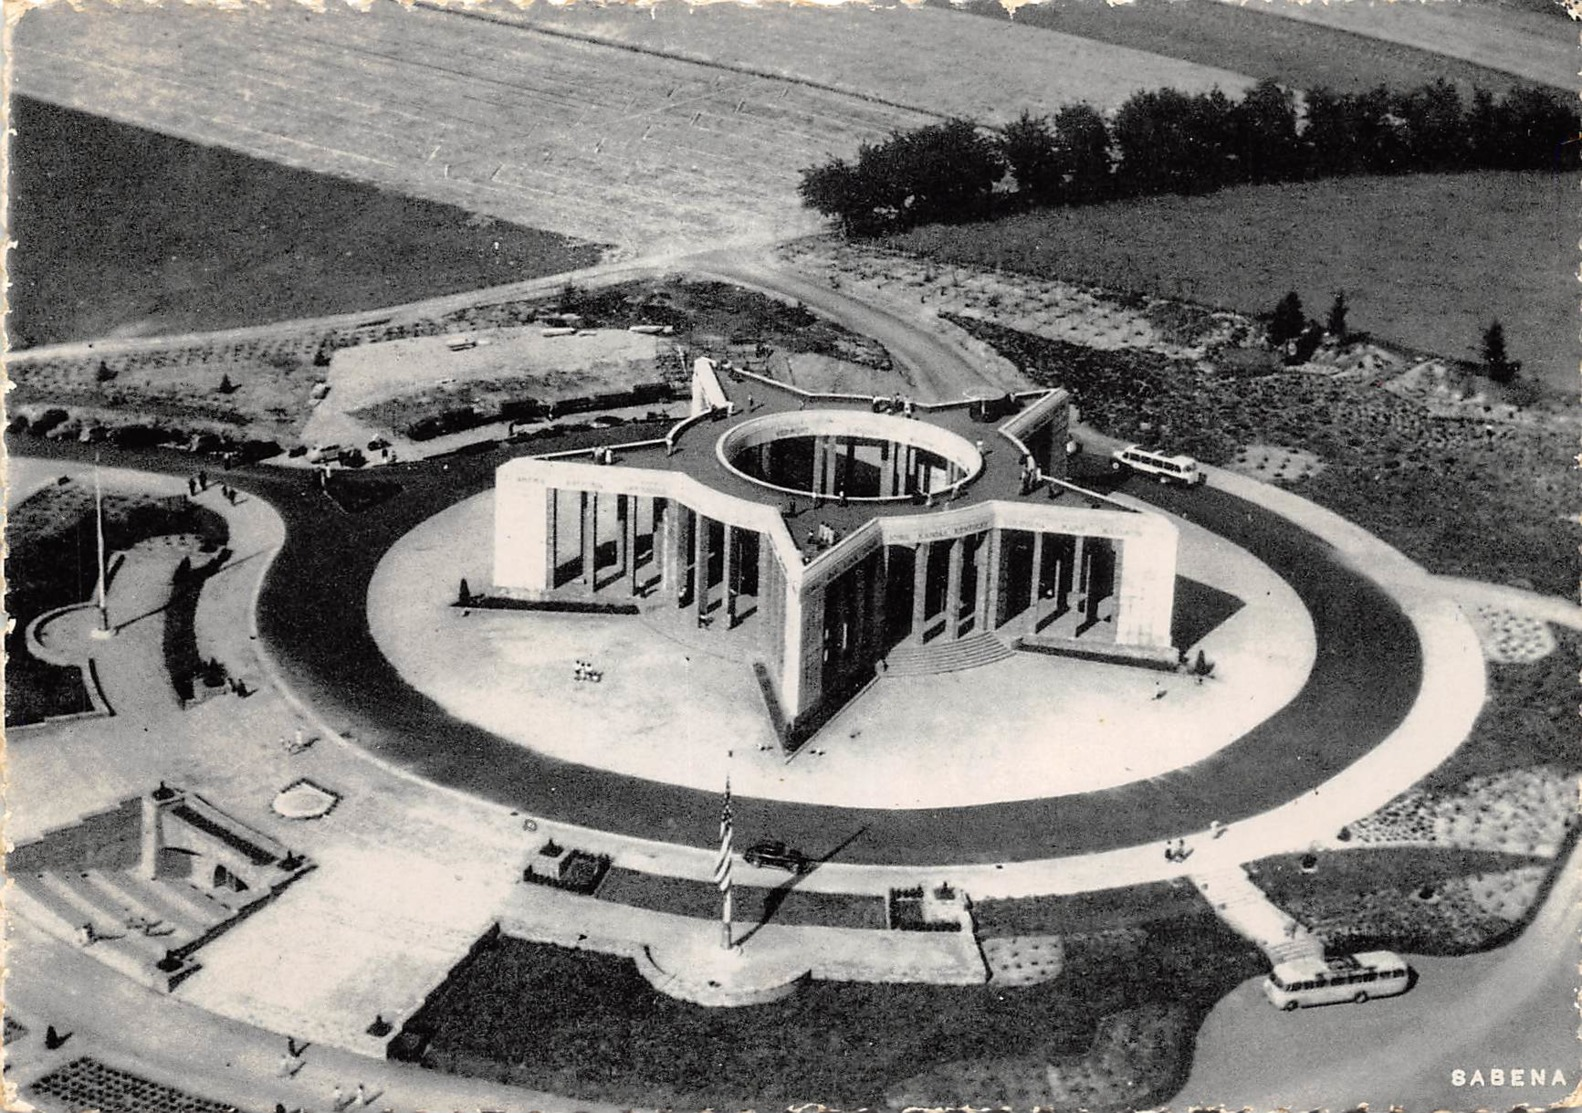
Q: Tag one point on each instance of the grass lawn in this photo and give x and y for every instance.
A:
(1365, 870)
(754, 904)
(182, 237)
(52, 563)
(1249, 41)
(1423, 900)
(1529, 719)
(1103, 910)
(587, 1025)
(1425, 260)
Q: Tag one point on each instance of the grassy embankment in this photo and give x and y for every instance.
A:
(1436, 488)
(1425, 260)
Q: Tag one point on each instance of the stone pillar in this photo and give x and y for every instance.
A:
(623, 541)
(677, 519)
(152, 839)
(634, 505)
(953, 591)
(919, 591)
(981, 557)
(700, 565)
(818, 466)
(989, 581)
(728, 576)
(552, 540)
(802, 674)
(590, 539)
(1035, 608)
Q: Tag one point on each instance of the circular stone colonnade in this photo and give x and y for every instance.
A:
(1365, 677)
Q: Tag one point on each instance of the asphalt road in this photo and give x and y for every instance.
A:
(1514, 1007)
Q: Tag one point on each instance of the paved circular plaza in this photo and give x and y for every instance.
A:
(681, 708)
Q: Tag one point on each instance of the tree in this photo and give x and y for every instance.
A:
(1335, 323)
(226, 386)
(1540, 132)
(1433, 127)
(1028, 147)
(464, 593)
(1497, 363)
(1330, 139)
(940, 172)
(1264, 144)
(950, 169)
(1153, 133)
(836, 190)
(1082, 154)
(1287, 322)
(1484, 141)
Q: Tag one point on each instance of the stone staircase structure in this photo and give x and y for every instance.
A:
(947, 656)
(1247, 911)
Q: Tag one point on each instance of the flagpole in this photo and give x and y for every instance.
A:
(722, 868)
(98, 517)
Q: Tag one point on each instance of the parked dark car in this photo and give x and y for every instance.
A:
(777, 856)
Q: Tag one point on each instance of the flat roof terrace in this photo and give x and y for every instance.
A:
(693, 448)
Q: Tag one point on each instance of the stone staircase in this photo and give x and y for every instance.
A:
(947, 656)
(1252, 915)
(135, 922)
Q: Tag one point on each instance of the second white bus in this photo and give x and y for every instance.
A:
(1316, 981)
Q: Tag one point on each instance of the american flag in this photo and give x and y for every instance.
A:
(722, 865)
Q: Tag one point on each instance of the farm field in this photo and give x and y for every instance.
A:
(588, 141)
(1536, 45)
(147, 249)
(932, 59)
(1500, 246)
(1247, 38)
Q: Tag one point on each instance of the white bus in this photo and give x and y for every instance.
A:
(1168, 469)
(1317, 981)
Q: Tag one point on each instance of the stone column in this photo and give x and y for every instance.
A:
(989, 581)
(552, 538)
(953, 591)
(982, 558)
(728, 576)
(919, 591)
(1035, 607)
(700, 566)
(590, 539)
(677, 520)
(634, 506)
(623, 542)
(152, 839)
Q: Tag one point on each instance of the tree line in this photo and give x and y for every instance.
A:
(1166, 141)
